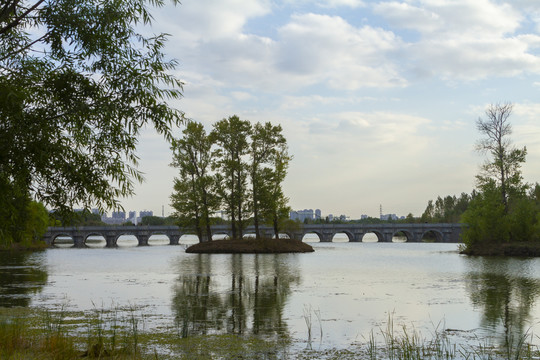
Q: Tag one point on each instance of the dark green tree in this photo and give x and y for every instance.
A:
(194, 198)
(231, 136)
(501, 211)
(268, 167)
(274, 204)
(77, 85)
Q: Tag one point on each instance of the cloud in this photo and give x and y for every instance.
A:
(464, 40)
(339, 3)
(327, 49)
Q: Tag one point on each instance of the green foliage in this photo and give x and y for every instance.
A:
(216, 170)
(78, 218)
(77, 84)
(502, 211)
(269, 163)
(485, 218)
(231, 136)
(446, 210)
(194, 198)
(22, 220)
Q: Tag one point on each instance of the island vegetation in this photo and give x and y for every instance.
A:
(502, 215)
(238, 167)
(250, 246)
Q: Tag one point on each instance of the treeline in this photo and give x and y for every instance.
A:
(238, 167)
(448, 209)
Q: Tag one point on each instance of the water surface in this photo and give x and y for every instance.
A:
(345, 290)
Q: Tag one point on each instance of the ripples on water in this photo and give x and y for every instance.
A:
(349, 289)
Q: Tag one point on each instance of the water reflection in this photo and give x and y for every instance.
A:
(234, 294)
(506, 290)
(21, 275)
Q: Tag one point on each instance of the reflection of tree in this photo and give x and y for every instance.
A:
(21, 275)
(247, 300)
(506, 291)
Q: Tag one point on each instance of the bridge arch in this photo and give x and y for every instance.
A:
(348, 234)
(377, 233)
(432, 235)
(318, 234)
(409, 236)
(94, 240)
(62, 240)
(159, 238)
(127, 239)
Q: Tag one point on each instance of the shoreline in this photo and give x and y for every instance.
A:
(518, 249)
(250, 246)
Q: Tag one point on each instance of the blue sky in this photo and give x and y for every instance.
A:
(378, 99)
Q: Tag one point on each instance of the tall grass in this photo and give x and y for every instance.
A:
(409, 344)
(120, 334)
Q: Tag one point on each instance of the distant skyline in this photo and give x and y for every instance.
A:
(378, 99)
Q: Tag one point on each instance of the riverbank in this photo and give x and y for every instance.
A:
(250, 246)
(520, 249)
(37, 246)
(32, 334)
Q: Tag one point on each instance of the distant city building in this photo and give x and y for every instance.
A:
(302, 215)
(133, 217)
(387, 217)
(363, 217)
(146, 213)
(317, 214)
(119, 215)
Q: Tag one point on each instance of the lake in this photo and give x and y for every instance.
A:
(342, 292)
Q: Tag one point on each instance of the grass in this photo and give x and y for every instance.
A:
(120, 334)
(250, 246)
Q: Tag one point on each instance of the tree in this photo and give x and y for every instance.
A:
(274, 204)
(500, 211)
(77, 84)
(232, 138)
(268, 156)
(505, 163)
(194, 198)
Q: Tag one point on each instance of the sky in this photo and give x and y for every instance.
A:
(378, 100)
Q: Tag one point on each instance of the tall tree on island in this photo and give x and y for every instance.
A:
(77, 84)
(501, 211)
(231, 136)
(194, 199)
(504, 166)
(268, 154)
(274, 203)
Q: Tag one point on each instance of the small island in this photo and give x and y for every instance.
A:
(250, 246)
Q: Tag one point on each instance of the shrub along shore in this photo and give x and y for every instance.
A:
(519, 249)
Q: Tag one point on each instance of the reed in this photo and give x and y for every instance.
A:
(120, 334)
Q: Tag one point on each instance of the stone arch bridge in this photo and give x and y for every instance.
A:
(446, 233)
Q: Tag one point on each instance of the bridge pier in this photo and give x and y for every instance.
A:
(174, 239)
(143, 239)
(110, 239)
(78, 240)
(417, 236)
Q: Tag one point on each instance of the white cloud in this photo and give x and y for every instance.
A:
(464, 40)
(338, 3)
(433, 18)
(327, 49)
